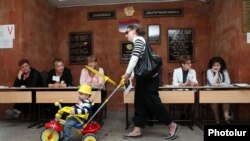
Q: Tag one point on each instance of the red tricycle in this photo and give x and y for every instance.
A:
(54, 129)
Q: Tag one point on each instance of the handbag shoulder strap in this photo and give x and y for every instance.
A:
(148, 47)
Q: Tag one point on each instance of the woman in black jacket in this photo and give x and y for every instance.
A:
(26, 77)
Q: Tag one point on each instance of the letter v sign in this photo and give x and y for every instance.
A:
(7, 31)
(11, 31)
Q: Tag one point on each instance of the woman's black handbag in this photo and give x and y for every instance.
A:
(148, 65)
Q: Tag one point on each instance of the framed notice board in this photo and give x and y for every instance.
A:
(246, 16)
(126, 50)
(80, 46)
(180, 42)
(154, 34)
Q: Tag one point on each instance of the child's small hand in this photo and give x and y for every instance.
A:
(72, 111)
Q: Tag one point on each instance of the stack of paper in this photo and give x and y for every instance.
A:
(241, 84)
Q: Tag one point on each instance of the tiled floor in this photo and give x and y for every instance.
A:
(112, 130)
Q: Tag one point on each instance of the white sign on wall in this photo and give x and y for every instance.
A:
(7, 31)
(248, 37)
(7, 34)
(6, 43)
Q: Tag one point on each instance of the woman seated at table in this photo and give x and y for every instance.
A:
(217, 75)
(59, 76)
(185, 76)
(90, 78)
(27, 76)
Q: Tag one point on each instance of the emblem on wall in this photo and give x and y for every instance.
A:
(129, 11)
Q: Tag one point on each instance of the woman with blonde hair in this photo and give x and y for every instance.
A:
(88, 77)
(94, 80)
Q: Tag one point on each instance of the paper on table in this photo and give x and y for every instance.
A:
(241, 84)
(128, 85)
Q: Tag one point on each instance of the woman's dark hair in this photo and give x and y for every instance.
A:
(137, 29)
(57, 60)
(22, 61)
(219, 60)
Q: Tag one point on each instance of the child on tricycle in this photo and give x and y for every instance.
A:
(76, 117)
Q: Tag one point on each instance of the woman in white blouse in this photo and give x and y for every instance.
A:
(185, 76)
(217, 75)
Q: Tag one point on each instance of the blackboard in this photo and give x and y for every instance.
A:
(180, 42)
(246, 16)
(80, 47)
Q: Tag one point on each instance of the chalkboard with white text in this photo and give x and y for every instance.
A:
(80, 47)
(180, 42)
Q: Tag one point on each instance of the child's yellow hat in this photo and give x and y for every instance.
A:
(86, 89)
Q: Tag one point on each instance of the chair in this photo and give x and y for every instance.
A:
(104, 96)
(205, 111)
(104, 93)
(103, 112)
(44, 75)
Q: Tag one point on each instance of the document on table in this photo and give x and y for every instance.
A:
(4, 87)
(241, 84)
(128, 85)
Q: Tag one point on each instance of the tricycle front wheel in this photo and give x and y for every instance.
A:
(50, 135)
(89, 137)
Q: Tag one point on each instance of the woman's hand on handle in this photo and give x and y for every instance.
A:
(122, 82)
(125, 77)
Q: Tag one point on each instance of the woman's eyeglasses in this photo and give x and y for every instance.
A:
(127, 32)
